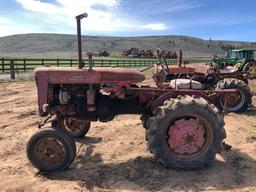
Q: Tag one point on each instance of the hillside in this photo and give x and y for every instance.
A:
(59, 45)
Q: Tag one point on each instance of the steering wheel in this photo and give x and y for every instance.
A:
(164, 66)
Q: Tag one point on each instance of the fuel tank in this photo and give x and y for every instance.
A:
(72, 75)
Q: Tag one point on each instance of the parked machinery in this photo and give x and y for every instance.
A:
(211, 77)
(243, 59)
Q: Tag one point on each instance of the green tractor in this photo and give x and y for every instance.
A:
(243, 59)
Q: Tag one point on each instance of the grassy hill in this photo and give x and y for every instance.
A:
(65, 46)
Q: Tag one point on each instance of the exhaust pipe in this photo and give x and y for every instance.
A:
(79, 39)
(91, 91)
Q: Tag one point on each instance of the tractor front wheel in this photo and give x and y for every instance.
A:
(185, 133)
(234, 102)
(50, 150)
(250, 68)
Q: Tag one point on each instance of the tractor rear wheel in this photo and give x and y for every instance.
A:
(50, 150)
(185, 133)
(235, 102)
(75, 128)
(250, 68)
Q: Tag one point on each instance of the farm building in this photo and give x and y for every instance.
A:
(149, 53)
(170, 54)
(133, 52)
(142, 53)
(125, 53)
(104, 53)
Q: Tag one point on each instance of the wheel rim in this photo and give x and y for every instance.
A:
(188, 138)
(50, 151)
(234, 101)
(251, 69)
(73, 125)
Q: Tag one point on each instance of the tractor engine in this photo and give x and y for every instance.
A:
(71, 95)
(72, 100)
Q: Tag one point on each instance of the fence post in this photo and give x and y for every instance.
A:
(42, 62)
(12, 71)
(2, 64)
(24, 64)
(117, 63)
(71, 63)
(58, 62)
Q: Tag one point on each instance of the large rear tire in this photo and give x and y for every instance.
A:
(50, 150)
(235, 102)
(185, 133)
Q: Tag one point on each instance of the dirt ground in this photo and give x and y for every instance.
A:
(114, 155)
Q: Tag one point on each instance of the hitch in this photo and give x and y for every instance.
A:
(46, 120)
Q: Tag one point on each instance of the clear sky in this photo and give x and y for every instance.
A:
(215, 19)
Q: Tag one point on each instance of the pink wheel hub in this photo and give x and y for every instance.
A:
(186, 136)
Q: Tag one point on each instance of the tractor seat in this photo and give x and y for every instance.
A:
(229, 69)
(185, 84)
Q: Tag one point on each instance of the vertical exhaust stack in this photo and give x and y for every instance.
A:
(79, 39)
(91, 91)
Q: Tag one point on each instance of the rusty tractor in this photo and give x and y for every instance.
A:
(184, 128)
(210, 77)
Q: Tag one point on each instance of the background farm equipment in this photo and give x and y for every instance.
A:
(243, 59)
(184, 128)
(208, 77)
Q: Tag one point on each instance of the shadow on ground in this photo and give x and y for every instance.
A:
(250, 112)
(235, 171)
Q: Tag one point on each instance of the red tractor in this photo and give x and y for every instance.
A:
(184, 128)
(209, 77)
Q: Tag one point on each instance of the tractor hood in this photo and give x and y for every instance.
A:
(71, 75)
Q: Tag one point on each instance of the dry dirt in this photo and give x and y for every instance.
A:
(114, 155)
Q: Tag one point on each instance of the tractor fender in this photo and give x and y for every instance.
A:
(175, 93)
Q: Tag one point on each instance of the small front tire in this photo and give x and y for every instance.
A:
(250, 67)
(51, 150)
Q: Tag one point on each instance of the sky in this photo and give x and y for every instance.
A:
(206, 19)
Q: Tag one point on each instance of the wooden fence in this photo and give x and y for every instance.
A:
(12, 66)
(29, 64)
